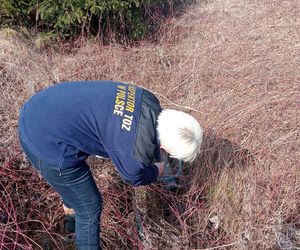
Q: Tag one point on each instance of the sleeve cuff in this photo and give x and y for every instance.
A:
(150, 174)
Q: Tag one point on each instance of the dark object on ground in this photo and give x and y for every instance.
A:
(70, 223)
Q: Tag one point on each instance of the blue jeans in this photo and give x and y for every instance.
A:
(78, 190)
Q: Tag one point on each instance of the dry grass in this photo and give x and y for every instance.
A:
(236, 62)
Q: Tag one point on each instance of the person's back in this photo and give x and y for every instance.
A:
(66, 118)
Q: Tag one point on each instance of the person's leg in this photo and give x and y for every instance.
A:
(78, 189)
(82, 195)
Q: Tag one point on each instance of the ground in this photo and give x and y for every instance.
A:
(235, 66)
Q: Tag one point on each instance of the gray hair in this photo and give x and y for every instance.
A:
(180, 134)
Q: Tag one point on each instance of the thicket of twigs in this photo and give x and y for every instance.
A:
(235, 64)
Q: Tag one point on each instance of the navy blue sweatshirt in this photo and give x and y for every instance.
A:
(67, 122)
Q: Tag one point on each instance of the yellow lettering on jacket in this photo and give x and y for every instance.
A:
(130, 104)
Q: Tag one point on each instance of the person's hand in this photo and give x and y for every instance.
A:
(161, 168)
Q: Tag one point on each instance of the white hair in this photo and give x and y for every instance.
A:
(180, 134)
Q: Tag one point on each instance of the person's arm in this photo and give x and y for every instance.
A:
(134, 172)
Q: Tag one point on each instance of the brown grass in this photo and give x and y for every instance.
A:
(236, 64)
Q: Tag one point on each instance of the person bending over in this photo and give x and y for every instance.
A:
(62, 125)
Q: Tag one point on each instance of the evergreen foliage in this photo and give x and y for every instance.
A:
(69, 18)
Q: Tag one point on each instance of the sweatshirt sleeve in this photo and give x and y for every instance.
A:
(132, 171)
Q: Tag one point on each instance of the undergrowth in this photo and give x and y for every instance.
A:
(232, 64)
